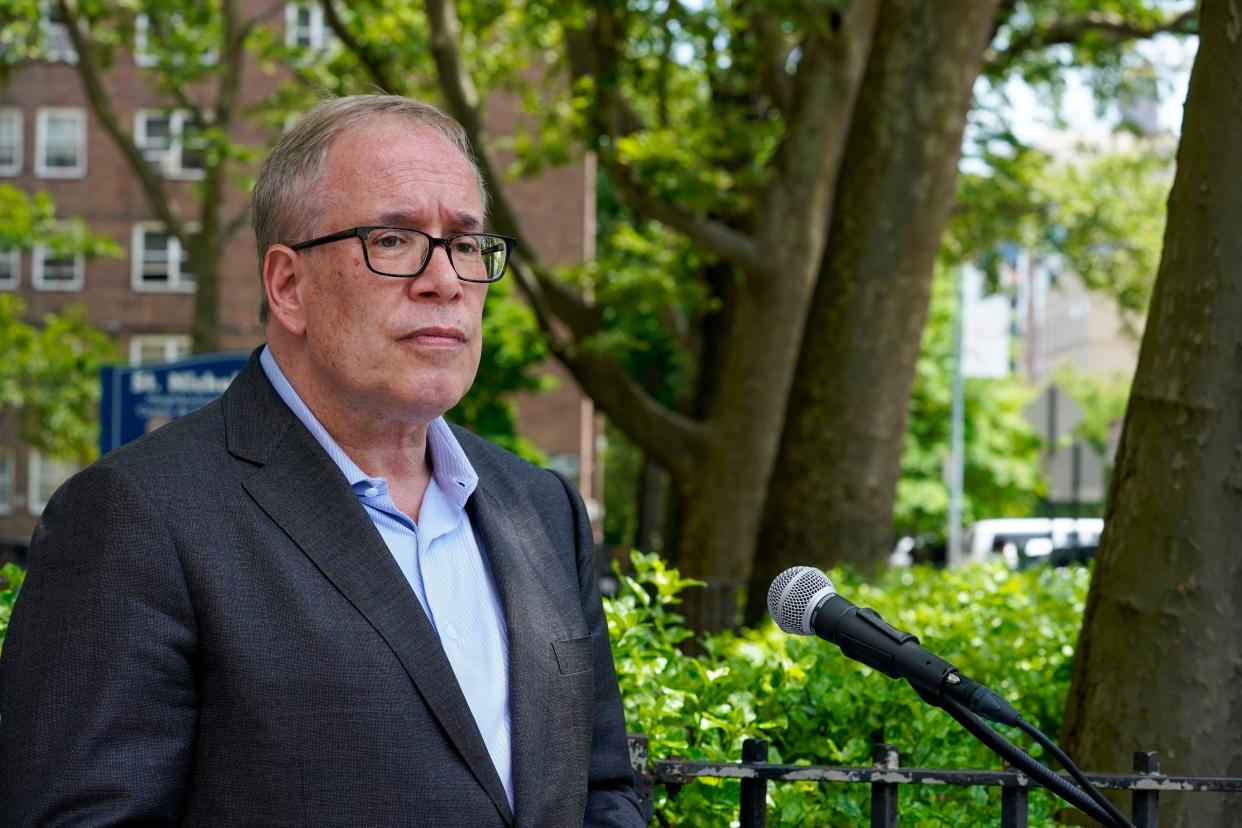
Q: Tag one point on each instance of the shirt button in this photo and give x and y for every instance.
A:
(372, 492)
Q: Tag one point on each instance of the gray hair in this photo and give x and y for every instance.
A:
(282, 203)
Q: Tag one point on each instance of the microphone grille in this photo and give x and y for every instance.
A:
(792, 595)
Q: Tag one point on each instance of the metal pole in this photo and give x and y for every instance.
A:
(754, 798)
(957, 446)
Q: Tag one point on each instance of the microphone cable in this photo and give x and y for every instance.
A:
(1083, 798)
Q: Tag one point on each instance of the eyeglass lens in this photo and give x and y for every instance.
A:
(397, 252)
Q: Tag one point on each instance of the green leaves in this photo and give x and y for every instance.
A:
(1013, 631)
(11, 577)
(50, 374)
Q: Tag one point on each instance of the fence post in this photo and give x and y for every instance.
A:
(754, 804)
(1015, 802)
(884, 794)
(644, 783)
(1144, 805)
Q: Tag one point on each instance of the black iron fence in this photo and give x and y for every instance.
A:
(886, 776)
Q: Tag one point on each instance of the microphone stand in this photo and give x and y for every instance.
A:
(1086, 799)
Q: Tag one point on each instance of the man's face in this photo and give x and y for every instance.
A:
(393, 348)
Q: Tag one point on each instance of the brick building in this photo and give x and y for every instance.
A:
(49, 140)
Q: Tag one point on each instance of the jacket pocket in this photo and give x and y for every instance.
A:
(573, 655)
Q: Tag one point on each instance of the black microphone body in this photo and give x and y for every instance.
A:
(864, 636)
(803, 601)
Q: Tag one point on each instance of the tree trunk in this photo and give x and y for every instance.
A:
(206, 254)
(831, 497)
(721, 503)
(1159, 663)
(722, 499)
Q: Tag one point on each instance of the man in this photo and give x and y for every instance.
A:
(313, 602)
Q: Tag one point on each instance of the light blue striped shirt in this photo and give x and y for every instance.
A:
(442, 558)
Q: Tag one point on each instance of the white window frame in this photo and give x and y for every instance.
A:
(8, 480)
(142, 35)
(42, 116)
(170, 160)
(176, 346)
(33, 479)
(14, 116)
(319, 34)
(56, 35)
(38, 261)
(14, 257)
(175, 283)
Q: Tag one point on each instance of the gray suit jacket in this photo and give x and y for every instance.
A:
(212, 632)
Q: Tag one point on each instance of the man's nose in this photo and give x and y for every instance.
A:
(438, 279)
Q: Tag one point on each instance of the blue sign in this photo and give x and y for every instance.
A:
(141, 398)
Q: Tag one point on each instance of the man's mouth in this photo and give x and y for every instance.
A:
(436, 336)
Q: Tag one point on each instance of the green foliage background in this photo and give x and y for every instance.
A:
(1012, 630)
(11, 577)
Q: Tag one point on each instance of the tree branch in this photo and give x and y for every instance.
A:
(825, 87)
(89, 74)
(671, 439)
(1070, 29)
(228, 87)
(613, 116)
(674, 441)
(715, 236)
(774, 53)
(375, 68)
(235, 223)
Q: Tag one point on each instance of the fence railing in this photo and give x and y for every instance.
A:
(886, 776)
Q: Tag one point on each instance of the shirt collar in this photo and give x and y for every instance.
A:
(449, 465)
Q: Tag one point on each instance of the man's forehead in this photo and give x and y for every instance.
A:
(391, 140)
(407, 166)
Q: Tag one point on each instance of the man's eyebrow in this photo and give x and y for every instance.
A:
(464, 220)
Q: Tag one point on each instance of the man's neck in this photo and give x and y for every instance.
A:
(381, 446)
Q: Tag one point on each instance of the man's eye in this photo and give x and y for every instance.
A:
(388, 242)
(466, 247)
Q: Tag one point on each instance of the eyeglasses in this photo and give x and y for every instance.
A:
(404, 252)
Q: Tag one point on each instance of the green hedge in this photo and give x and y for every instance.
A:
(11, 576)
(1013, 631)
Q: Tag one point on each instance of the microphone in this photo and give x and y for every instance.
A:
(803, 601)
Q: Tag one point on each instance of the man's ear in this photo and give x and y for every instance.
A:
(283, 277)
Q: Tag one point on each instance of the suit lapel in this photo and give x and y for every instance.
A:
(305, 494)
(519, 549)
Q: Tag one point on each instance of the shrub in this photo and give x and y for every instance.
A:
(11, 576)
(1013, 631)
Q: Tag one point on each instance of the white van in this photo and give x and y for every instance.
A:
(1023, 542)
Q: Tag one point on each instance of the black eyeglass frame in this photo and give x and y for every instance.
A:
(361, 233)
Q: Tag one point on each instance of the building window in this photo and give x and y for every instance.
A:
(51, 270)
(56, 34)
(46, 475)
(10, 269)
(6, 480)
(60, 142)
(161, 135)
(142, 39)
(159, 262)
(305, 28)
(10, 140)
(146, 349)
